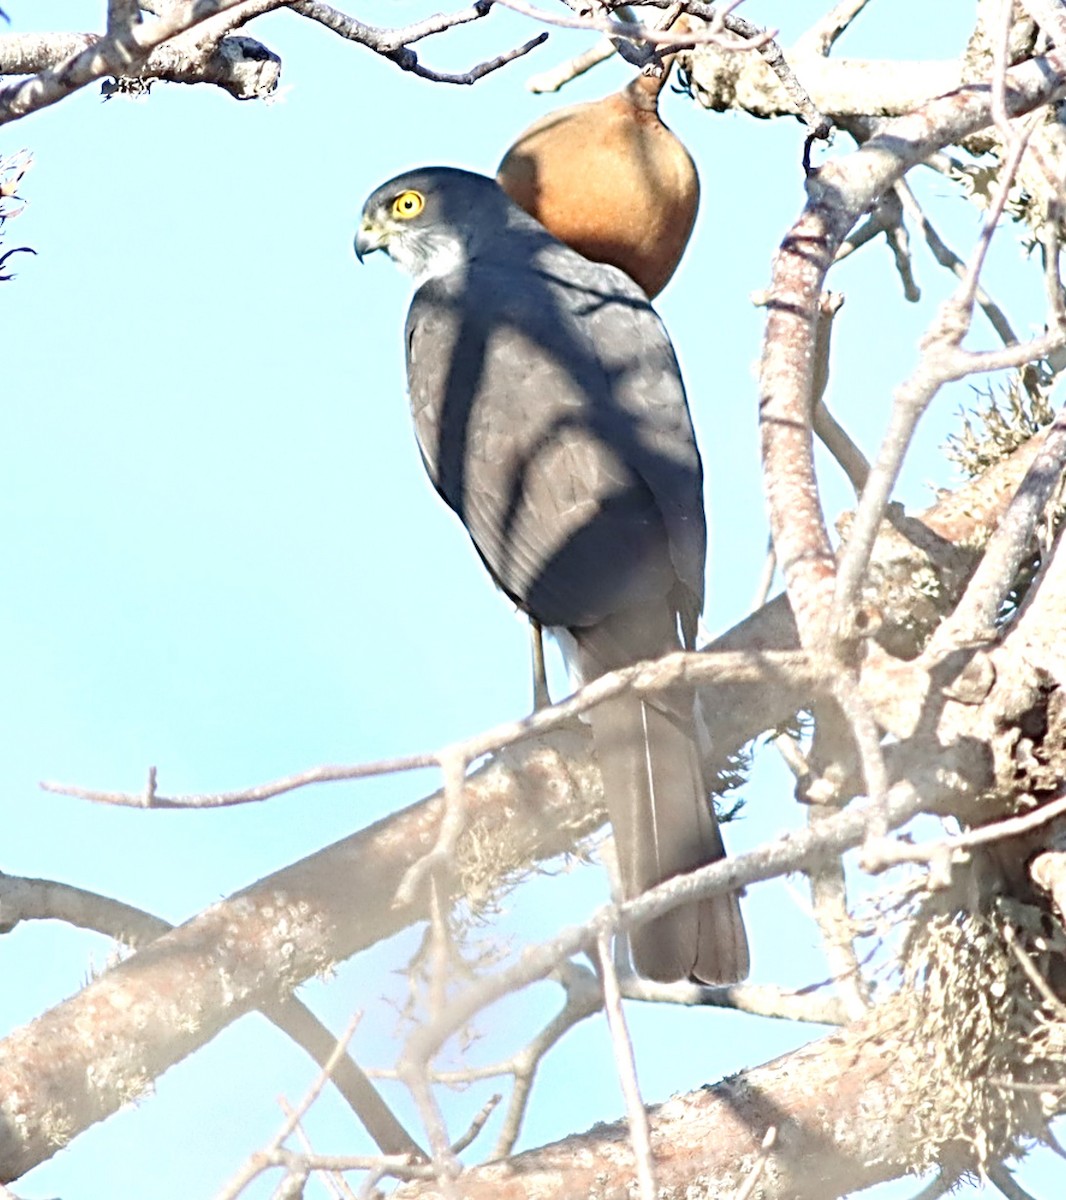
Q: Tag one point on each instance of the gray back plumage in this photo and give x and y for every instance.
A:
(551, 416)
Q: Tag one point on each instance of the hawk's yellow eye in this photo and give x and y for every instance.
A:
(407, 205)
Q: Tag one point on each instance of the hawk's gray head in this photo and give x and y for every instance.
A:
(436, 219)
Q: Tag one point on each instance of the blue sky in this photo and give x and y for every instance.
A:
(223, 558)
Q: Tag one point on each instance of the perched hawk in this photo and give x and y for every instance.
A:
(551, 416)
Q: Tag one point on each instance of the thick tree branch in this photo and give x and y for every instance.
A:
(239, 65)
(843, 88)
(840, 1106)
(45, 899)
(122, 52)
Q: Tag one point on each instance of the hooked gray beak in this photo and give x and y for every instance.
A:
(369, 237)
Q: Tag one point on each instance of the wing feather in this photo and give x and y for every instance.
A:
(551, 417)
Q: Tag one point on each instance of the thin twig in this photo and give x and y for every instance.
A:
(966, 296)
(584, 998)
(832, 435)
(453, 764)
(477, 1124)
(829, 901)
(821, 37)
(295, 1162)
(837, 441)
(748, 1187)
(683, 669)
(899, 242)
(415, 1073)
(382, 40)
(893, 853)
(1053, 263)
(407, 60)
(1000, 31)
(759, 999)
(625, 1064)
(253, 1166)
(333, 1180)
(558, 76)
(766, 579)
(1010, 936)
(947, 257)
(638, 31)
(867, 734)
(887, 219)
(753, 38)
(791, 851)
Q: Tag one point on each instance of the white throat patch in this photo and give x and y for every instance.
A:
(427, 257)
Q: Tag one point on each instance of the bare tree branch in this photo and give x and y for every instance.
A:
(845, 89)
(240, 65)
(277, 933)
(45, 899)
(974, 619)
(823, 34)
(946, 257)
(679, 670)
(119, 53)
(842, 191)
(179, 48)
(394, 44)
(408, 61)
(841, 1107)
(639, 1132)
(830, 904)
(960, 519)
(556, 77)
(383, 41)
